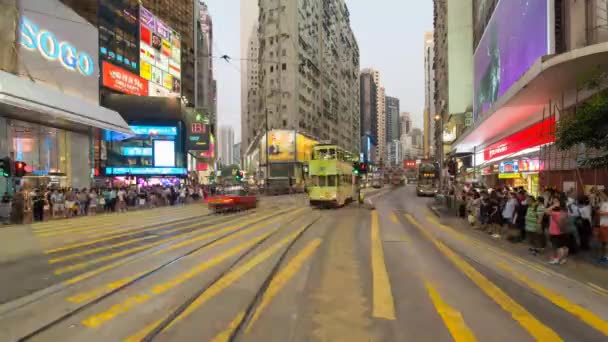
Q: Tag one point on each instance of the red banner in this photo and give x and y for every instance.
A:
(202, 166)
(538, 134)
(123, 81)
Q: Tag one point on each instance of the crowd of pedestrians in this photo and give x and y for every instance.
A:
(563, 221)
(53, 203)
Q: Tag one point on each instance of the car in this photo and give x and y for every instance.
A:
(425, 190)
(232, 199)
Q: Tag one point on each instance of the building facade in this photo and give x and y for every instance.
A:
(561, 51)
(226, 145)
(368, 114)
(392, 119)
(205, 95)
(440, 63)
(308, 70)
(49, 108)
(249, 47)
(236, 154)
(429, 121)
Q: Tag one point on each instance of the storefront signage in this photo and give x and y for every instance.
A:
(123, 81)
(529, 165)
(51, 48)
(121, 171)
(154, 130)
(509, 167)
(509, 175)
(137, 151)
(536, 135)
(198, 137)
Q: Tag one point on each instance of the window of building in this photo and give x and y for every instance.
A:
(271, 68)
(284, 66)
(284, 53)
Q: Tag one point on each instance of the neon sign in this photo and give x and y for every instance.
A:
(33, 38)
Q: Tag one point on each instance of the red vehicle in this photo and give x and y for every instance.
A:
(232, 199)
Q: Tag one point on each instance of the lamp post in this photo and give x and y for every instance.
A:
(439, 148)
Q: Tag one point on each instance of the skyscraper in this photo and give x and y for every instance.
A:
(308, 70)
(392, 119)
(205, 92)
(429, 96)
(250, 45)
(368, 111)
(226, 144)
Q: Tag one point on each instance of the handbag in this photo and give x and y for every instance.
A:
(102, 201)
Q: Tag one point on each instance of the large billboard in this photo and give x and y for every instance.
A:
(123, 81)
(159, 55)
(515, 37)
(58, 48)
(281, 146)
(304, 147)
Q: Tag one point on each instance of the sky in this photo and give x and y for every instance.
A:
(390, 34)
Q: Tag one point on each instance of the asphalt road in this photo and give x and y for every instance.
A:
(286, 272)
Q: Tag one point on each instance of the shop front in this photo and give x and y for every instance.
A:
(49, 102)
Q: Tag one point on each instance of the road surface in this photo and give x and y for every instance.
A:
(286, 272)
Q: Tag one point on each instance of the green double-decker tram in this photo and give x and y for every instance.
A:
(331, 176)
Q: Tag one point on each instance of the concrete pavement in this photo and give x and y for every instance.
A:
(289, 272)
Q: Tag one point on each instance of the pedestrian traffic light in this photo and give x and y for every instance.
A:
(20, 168)
(5, 167)
(356, 166)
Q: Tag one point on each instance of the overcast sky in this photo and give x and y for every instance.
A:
(390, 34)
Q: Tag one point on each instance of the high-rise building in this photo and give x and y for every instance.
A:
(250, 45)
(368, 113)
(429, 96)
(226, 143)
(381, 114)
(308, 70)
(395, 153)
(205, 98)
(440, 63)
(405, 120)
(392, 119)
(236, 154)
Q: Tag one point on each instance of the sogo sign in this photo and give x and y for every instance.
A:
(32, 38)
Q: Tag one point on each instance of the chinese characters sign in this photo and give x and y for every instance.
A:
(123, 81)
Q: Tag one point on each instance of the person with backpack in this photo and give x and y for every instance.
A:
(559, 231)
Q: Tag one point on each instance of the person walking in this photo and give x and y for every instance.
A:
(559, 231)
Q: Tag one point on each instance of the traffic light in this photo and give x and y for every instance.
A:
(5, 167)
(20, 168)
(363, 168)
(239, 176)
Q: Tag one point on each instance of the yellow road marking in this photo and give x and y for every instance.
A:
(383, 305)
(538, 330)
(230, 278)
(102, 269)
(451, 317)
(585, 315)
(114, 235)
(598, 288)
(140, 335)
(234, 275)
(393, 217)
(100, 249)
(131, 302)
(224, 336)
(83, 297)
(282, 278)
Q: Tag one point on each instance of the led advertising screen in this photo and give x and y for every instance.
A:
(160, 55)
(164, 153)
(516, 36)
(281, 146)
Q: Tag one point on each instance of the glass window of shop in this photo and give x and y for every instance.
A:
(118, 27)
(43, 149)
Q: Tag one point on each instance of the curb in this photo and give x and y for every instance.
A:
(434, 210)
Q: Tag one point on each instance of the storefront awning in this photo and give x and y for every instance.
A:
(22, 99)
(551, 77)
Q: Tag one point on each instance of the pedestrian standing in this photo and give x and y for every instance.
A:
(559, 231)
(584, 222)
(121, 196)
(92, 202)
(38, 206)
(602, 230)
(534, 219)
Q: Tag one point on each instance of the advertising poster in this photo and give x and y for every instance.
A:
(123, 81)
(145, 35)
(281, 146)
(304, 147)
(175, 54)
(156, 41)
(145, 71)
(174, 69)
(163, 30)
(157, 90)
(147, 54)
(164, 153)
(177, 86)
(146, 17)
(198, 137)
(514, 39)
(166, 48)
(167, 81)
(163, 62)
(157, 75)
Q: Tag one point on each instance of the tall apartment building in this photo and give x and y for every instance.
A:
(440, 63)
(249, 47)
(225, 141)
(392, 119)
(381, 148)
(405, 120)
(368, 113)
(177, 14)
(205, 93)
(429, 96)
(308, 70)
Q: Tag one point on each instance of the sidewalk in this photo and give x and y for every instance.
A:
(582, 266)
